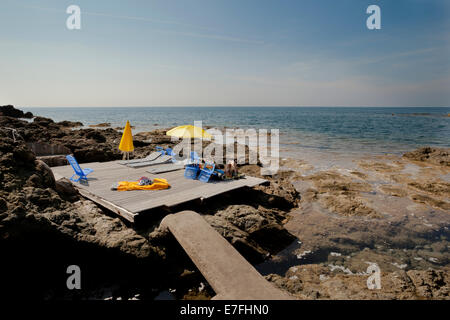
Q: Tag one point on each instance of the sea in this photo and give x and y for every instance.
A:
(349, 130)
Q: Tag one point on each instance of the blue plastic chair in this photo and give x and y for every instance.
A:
(191, 171)
(206, 172)
(81, 173)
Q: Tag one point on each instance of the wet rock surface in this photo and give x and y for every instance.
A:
(430, 155)
(319, 282)
(404, 229)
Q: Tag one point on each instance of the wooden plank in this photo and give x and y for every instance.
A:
(182, 195)
(229, 274)
(215, 188)
(109, 205)
(163, 168)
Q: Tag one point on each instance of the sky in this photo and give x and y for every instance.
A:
(225, 53)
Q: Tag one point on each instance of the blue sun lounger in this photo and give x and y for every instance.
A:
(152, 156)
(170, 152)
(160, 160)
(160, 150)
(81, 173)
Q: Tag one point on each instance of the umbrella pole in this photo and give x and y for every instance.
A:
(128, 170)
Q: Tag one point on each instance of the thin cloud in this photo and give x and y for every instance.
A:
(210, 36)
(404, 54)
(117, 16)
(145, 19)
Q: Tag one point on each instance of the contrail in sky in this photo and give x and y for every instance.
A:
(144, 19)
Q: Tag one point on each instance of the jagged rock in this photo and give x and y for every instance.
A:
(282, 194)
(48, 179)
(42, 121)
(54, 161)
(46, 149)
(256, 233)
(100, 125)
(431, 284)
(11, 122)
(66, 189)
(432, 155)
(320, 282)
(94, 154)
(95, 135)
(3, 205)
(30, 199)
(10, 111)
(44, 224)
(70, 124)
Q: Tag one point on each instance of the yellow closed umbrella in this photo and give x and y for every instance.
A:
(126, 143)
(188, 131)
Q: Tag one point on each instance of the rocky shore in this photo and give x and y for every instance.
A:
(45, 224)
(288, 228)
(385, 210)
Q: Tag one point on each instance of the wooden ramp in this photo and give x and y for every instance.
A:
(130, 204)
(229, 274)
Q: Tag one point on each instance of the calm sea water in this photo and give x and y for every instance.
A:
(340, 129)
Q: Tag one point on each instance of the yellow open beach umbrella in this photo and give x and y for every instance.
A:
(188, 131)
(126, 143)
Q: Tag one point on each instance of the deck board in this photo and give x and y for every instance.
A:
(226, 270)
(129, 204)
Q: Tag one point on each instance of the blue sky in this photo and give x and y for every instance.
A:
(225, 53)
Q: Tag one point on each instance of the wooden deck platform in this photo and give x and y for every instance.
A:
(130, 204)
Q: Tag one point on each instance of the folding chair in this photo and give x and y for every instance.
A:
(81, 173)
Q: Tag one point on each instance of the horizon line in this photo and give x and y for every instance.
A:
(234, 106)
